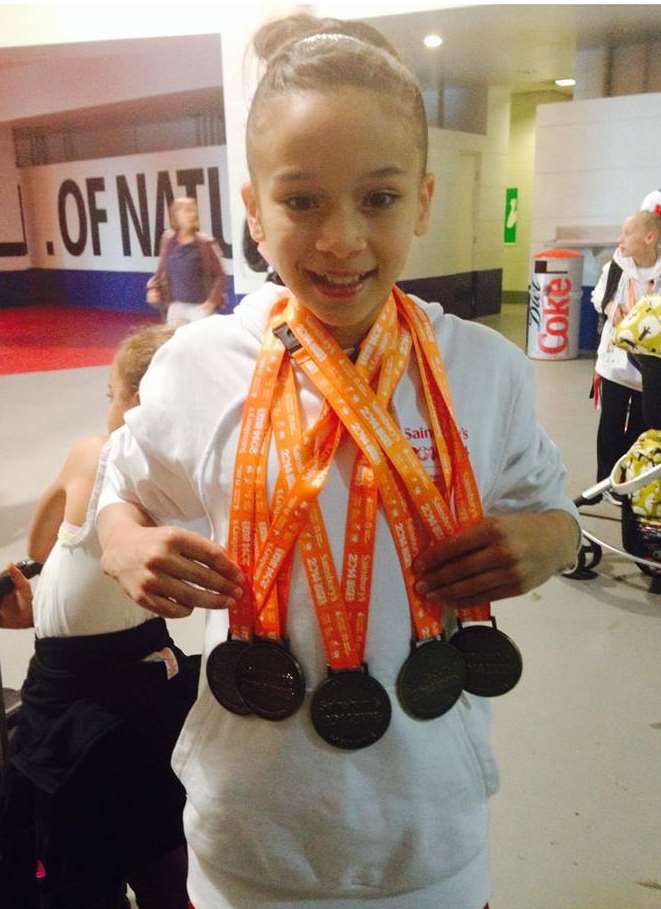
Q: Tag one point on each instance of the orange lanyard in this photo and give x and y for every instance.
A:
(376, 434)
(385, 466)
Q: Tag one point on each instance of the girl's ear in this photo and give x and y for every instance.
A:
(252, 212)
(425, 196)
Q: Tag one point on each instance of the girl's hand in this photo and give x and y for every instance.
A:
(209, 307)
(171, 571)
(500, 557)
(16, 607)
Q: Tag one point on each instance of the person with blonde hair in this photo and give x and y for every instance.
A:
(89, 781)
(633, 272)
(189, 282)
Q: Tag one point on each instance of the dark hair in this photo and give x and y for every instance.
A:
(305, 53)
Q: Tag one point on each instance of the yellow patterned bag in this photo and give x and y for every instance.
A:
(640, 330)
(644, 454)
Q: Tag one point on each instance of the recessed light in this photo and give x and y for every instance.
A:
(565, 83)
(433, 41)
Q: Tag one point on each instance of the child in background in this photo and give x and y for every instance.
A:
(634, 270)
(105, 697)
(313, 778)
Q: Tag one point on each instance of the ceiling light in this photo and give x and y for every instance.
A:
(433, 41)
(565, 83)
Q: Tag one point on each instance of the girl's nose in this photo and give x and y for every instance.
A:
(342, 233)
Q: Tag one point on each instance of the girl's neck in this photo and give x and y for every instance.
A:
(185, 236)
(647, 260)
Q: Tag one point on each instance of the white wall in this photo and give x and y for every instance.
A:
(63, 84)
(594, 162)
(437, 253)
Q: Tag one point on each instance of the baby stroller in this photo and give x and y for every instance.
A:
(641, 537)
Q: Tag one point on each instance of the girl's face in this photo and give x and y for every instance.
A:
(634, 240)
(121, 399)
(338, 196)
(186, 216)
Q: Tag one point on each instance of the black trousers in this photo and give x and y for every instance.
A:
(650, 369)
(620, 424)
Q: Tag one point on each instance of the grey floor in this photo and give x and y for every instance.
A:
(577, 823)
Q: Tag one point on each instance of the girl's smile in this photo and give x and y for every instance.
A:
(337, 196)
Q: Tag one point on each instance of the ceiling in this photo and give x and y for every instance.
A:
(524, 47)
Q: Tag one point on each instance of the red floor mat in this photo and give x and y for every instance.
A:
(36, 338)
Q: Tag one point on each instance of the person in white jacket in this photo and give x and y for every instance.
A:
(277, 815)
(634, 270)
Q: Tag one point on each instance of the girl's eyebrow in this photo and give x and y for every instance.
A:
(298, 176)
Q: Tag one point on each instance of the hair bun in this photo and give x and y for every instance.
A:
(274, 36)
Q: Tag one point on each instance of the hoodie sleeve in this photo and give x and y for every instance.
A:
(153, 456)
(531, 475)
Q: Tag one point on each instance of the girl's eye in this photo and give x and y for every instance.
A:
(380, 199)
(300, 203)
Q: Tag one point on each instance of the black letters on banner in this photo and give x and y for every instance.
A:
(217, 212)
(190, 179)
(133, 208)
(164, 199)
(70, 188)
(97, 215)
(126, 207)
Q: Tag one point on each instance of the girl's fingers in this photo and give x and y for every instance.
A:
(464, 568)
(199, 549)
(186, 569)
(478, 585)
(166, 608)
(165, 586)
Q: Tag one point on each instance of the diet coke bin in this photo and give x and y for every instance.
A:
(554, 305)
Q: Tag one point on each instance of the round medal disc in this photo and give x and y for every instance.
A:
(221, 669)
(270, 680)
(431, 680)
(350, 709)
(493, 661)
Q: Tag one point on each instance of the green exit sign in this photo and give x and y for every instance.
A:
(511, 214)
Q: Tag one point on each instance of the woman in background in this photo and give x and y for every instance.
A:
(189, 283)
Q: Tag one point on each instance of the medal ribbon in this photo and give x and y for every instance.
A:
(376, 433)
(342, 608)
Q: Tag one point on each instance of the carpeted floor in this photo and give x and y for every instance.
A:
(43, 338)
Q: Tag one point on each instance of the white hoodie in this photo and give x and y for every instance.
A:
(276, 817)
(612, 362)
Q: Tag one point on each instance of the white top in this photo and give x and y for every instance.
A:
(73, 596)
(276, 817)
(612, 362)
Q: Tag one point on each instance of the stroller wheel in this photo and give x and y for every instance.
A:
(588, 558)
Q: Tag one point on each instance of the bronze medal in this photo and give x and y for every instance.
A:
(493, 661)
(350, 709)
(221, 672)
(431, 679)
(270, 680)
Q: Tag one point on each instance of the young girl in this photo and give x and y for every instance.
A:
(634, 270)
(105, 697)
(329, 762)
(189, 281)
